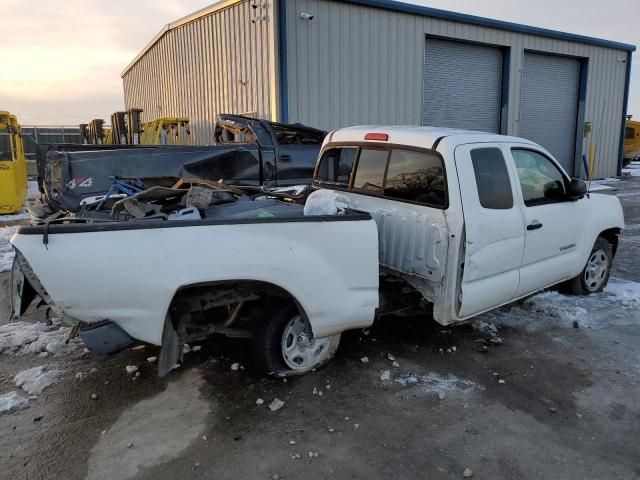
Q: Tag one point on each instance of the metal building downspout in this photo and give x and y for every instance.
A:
(625, 105)
(282, 54)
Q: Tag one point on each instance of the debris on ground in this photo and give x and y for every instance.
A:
(364, 359)
(468, 473)
(12, 402)
(391, 357)
(489, 330)
(442, 395)
(152, 359)
(131, 369)
(94, 396)
(395, 365)
(386, 375)
(259, 401)
(235, 366)
(35, 380)
(277, 404)
(196, 348)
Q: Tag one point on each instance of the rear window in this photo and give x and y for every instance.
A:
(336, 165)
(415, 176)
(371, 168)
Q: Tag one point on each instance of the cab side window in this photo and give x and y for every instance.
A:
(492, 178)
(417, 177)
(541, 181)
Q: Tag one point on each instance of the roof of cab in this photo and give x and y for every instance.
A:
(419, 136)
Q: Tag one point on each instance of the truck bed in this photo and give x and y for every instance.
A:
(128, 272)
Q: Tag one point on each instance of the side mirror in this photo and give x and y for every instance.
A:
(576, 189)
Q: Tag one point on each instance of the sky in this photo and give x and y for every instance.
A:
(60, 62)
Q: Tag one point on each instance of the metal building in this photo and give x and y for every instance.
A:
(333, 63)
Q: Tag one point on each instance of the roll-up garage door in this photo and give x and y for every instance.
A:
(549, 104)
(462, 86)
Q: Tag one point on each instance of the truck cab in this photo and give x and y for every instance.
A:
(471, 220)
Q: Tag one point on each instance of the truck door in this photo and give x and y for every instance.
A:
(553, 232)
(494, 228)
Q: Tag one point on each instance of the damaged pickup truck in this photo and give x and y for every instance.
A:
(402, 220)
(247, 151)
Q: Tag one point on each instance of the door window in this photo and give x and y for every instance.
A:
(372, 165)
(336, 165)
(492, 178)
(540, 179)
(415, 176)
(629, 134)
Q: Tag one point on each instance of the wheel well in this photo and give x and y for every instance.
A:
(229, 307)
(611, 235)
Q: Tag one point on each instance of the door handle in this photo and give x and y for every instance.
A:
(534, 225)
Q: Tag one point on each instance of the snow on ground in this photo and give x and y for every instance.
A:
(633, 169)
(602, 184)
(14, 218)
(11, 402)
(36, 338)
(32, 189)
(616, 305)
(36, 379)
(6, 250)
(435, 383)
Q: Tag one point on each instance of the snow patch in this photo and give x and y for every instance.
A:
(19, 338)
(36, 379)
(616, 305)
(11, 402)
(14, 218)
(435, 383)
(634, 171)
(6, 249)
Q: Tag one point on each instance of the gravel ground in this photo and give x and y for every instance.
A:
(550, 401)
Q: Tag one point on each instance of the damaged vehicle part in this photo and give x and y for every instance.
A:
(209, 290)
(248, 152)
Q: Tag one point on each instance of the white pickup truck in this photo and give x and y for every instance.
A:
(464, 221)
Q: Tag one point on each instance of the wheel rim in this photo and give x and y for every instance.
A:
(299, 351)
(596, 270)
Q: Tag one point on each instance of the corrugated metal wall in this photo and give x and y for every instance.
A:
(360, 65)
(218, 63)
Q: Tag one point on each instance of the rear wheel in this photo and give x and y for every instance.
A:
(595, 275)
(284, 345)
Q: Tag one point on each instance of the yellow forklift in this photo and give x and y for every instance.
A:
(13, 165)
(631, 141)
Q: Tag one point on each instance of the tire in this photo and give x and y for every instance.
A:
(283, 346)
(595, 274)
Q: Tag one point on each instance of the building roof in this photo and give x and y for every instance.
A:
(396, 6)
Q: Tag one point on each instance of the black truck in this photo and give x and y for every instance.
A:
(247, 152)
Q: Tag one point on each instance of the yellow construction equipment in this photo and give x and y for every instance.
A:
(166, 131)
(126, 129)
(13, 165)
(631, 141)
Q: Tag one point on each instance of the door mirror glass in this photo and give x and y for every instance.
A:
(576, 189)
